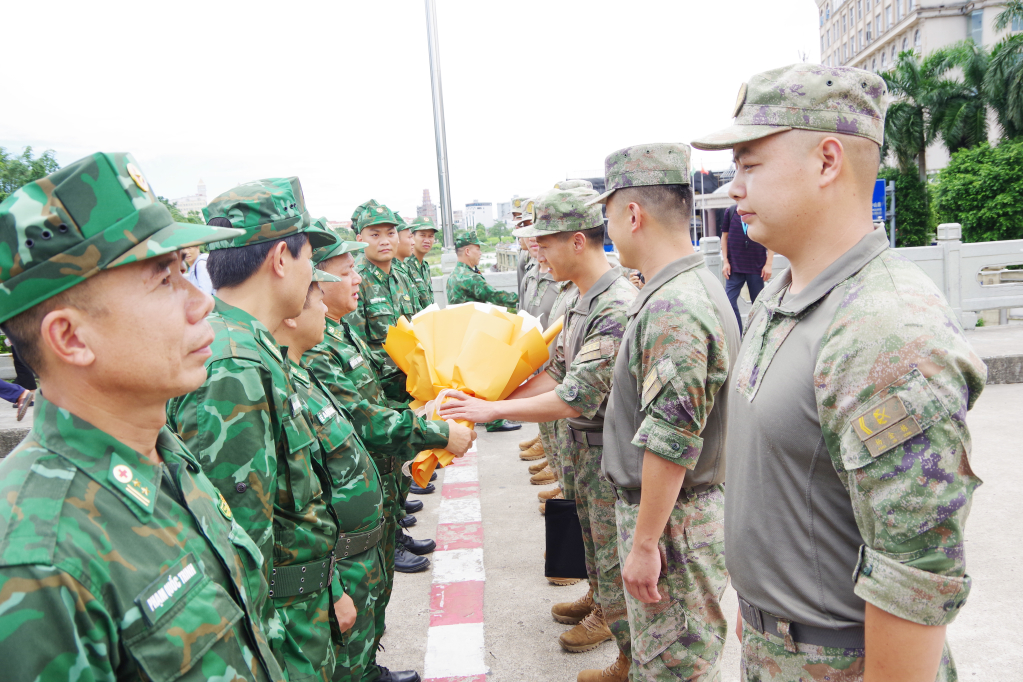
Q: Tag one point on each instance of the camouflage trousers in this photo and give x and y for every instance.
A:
(310, 621)
(594, 503)
(552, 447)
(389, 483)
(680, 637)
(363, 579)
(765, 659)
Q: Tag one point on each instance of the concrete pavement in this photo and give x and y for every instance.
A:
(521, 636)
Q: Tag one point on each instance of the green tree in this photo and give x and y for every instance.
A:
(193, 216)
(907, 129)
(958, 106)
(913, 224)
(982, 189)
(17, 171)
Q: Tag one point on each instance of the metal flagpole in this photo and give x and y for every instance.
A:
(433, 44)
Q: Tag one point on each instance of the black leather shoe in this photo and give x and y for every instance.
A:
(416, 490)
(407, 521)
(412, 506)
(415, 546)
(406, 562)
(507, 426)
(397, 675)
(434, 476)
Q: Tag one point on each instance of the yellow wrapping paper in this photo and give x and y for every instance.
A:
(479, 349)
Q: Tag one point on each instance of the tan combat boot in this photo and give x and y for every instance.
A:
(572, 612)
(616, 672)
(544, 477)
(538, 467)
(534, 451)
(543, 511)
(526, 444)
(552, 494)
(588, 634)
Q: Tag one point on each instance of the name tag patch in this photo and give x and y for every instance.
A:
(356, 361)
(295, 404)
(169, 588)
(894, 435)
(880, 418)
(590, 351)
(377, 299)
(326, 414)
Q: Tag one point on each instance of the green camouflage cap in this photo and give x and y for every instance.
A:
(422, 223)
(665, 163)
(321, 276)
(372, 214)
(361, 208)
(573, 184)
(465, 238)
(401, 224)
(93, 215)
(563, 210)
(808, 97)
(338, 233)
(339, 249)
(266, 210)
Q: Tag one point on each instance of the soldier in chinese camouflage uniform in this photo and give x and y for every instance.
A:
(357, 492)
(392, 437)
(423, 233)
(246, 423)
(664, 438)
(384, 295)
(119, 559)
(849, 475)
(575, 386)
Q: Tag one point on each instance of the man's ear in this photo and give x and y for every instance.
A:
(830, 156)
(276, 258)
(64, 337)
(578, 242)
(290, 323)
(359, 238)
(637, 216)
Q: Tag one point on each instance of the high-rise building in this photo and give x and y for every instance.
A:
(869, 34)
(428, 209)
(193, 202)
(477, 212)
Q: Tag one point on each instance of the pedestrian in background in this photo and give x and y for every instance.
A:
(743, 261)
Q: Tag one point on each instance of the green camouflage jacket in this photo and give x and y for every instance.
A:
(339, 363)
(112, 568)
(383, 298)
(356, 491)
(419, 275)
(467, 284)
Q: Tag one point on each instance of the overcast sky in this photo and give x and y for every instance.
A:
(338, 92)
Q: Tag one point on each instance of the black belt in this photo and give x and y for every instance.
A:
(761, 621)
(385, 465)
(632, 495)
(301, 579)
(587, 438)
(350, 544)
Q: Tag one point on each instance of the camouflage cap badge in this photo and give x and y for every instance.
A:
(563, 210)
(92, 215)
(422, 223)
(805, 97)
(266, 210)
(372, 214)
(465, 238)
(526, 213)
(643, 165)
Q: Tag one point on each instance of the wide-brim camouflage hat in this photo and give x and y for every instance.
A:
(423, 223)
(563, 210)
(662, 163)
(93, 215)
(339, 249)
(265, 210)
(805, 97)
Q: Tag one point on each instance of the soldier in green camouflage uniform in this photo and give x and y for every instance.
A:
(466, 283)
(853, 368)
(664, 438)
(384, 295)
(246, 423)
(119, 560)
(423, 232)
(392, 437)
(575, 386)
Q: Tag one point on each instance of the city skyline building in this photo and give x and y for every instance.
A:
(193, 202)
(479, 212)
(427, 208)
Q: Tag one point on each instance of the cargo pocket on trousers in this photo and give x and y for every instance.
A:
(607, 557)
(664, 630)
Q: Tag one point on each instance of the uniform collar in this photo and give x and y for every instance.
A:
(666, 274)
(106, 460)
(600, 286)
(460, 264)
(847, 265)
(258, 329)
(366, 267)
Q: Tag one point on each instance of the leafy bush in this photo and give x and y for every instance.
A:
(982, 189)
(16, 171)
(913, 224)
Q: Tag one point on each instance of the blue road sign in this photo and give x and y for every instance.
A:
(880, 207)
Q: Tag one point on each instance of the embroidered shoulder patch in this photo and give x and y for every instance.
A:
(880, 418)
(590, 351)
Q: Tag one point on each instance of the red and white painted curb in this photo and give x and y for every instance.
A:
(454, 643)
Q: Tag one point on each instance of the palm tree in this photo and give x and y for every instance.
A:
(958, 107)
(1003, 85)
(1013, 10)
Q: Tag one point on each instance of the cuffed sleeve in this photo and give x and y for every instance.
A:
(669, 442)
(584, 398)
(908, 592)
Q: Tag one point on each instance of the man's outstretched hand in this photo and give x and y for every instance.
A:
(462, 406)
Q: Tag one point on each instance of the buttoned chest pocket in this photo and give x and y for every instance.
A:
(332, 428)
(188, 617)
(378, 317)
(301, 483)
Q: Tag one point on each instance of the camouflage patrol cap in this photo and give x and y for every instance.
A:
(373, 214)
(341, 248)
(563, 210)
(423, 223)
(266, 210)
(526, 213)
(644, 165)
(516, 203)
(465, 238)
(92, 215)
(808, 97)
(401, 225)
(573, 184)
